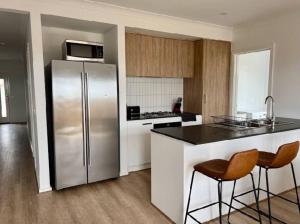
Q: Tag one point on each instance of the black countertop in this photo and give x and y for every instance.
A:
(202, 134)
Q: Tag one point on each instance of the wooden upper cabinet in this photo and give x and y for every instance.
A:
(158, 57)
(207, 92)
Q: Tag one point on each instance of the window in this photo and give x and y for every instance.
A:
(3, 107)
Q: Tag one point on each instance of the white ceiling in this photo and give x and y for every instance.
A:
(211, 11)
(13, 28)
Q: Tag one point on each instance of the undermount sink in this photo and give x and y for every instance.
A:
(237, 124)
(266, 122)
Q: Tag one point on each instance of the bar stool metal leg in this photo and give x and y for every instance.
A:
(220, 200)
(188, 205)
(258, 187)
(296, 186)
(231, 200)
(256, 198)
(268, 194)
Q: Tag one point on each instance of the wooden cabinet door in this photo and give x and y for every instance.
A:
(155, 62)
(168, 58)
(176, 66)
(216, 75)
(133, 54)
(187, 58)
(193, 87)
(146, 56)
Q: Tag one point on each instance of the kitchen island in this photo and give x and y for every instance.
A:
(174, 152)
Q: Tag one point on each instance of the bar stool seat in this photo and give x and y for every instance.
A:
(284, 156)
(213, 168)
(265, 159)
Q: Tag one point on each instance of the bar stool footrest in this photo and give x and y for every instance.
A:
(279, 196)
(224, 203)
(262, 212)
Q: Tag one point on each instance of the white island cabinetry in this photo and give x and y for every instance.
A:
(172, 162)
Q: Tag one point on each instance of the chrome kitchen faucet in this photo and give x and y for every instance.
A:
(270, 114)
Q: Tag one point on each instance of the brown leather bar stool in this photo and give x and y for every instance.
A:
(240, 165)
(284, 156)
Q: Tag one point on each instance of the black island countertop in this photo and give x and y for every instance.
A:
(202, 134)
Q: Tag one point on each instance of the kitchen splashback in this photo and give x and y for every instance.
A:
(153, 94)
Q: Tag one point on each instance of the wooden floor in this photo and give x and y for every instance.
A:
(124, 200)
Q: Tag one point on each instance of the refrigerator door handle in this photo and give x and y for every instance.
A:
(83, 116)
(88, 119)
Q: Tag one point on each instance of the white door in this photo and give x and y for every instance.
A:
(4, 100)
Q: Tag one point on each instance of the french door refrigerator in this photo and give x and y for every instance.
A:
(84, 105)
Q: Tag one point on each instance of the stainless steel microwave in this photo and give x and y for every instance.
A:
(75, 50)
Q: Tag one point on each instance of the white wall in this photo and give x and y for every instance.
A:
(32, 122)
(39, 109)
(283, 33)
(99, 13)
(15, 71)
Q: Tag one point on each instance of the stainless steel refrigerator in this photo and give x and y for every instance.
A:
(84, 122)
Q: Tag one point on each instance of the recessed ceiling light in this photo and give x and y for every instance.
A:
(223, 14)
(89, 1)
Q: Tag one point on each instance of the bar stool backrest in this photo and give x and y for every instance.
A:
(241, 164)
(285, 154)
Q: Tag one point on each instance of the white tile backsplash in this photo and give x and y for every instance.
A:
(153, 94)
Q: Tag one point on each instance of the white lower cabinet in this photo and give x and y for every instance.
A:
(138, 144)
(139, 140)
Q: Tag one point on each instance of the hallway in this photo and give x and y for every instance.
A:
(18, 187)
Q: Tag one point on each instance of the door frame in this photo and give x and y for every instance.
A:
(7, 95)
(234, 76)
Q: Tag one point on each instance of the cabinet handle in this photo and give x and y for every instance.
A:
(147, 123)
(204, 98)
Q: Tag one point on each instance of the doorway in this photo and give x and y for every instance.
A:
(252, 83)
(15, 117)
(4, 100)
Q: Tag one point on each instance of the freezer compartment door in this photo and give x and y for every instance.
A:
(103, 128)
(68, 113)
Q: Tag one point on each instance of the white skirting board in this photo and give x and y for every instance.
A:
(45, 190)
(139, 167)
